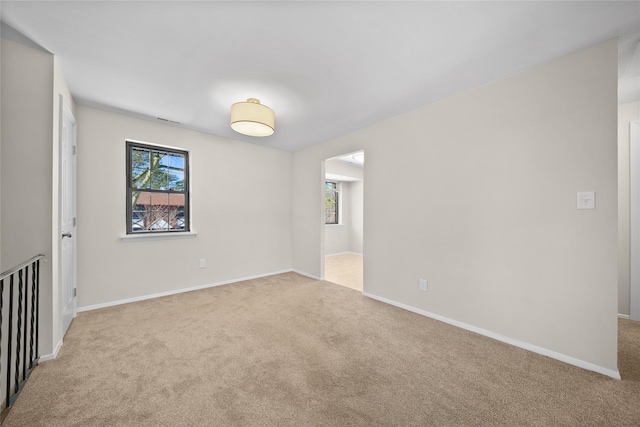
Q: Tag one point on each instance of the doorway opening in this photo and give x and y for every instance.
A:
(344, 220)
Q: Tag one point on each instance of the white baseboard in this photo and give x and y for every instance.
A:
(307, 275)
(344, 253)
(530, 347)
(52, 355)
(176, 291)
(623, 316)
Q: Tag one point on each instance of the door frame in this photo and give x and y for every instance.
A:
(323, 226)
(634, 202)
(66, 114)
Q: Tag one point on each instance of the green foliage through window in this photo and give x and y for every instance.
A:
(331, 202)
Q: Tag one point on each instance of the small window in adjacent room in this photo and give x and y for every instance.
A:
(331, 203)
(157, 189)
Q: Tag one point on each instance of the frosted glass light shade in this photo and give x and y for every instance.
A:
(252, 118)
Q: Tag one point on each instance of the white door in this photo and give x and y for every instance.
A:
(67, 216)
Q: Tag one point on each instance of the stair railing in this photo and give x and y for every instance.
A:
(19, 346)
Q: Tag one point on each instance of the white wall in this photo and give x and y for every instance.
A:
(627, 113)
(336, 167)
(27, 159)
(490, 216)
(356, 217)
(241, 211)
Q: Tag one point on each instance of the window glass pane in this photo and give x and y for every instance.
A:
(159, 212)
(159, 163)
(176, 181)
(159, 180)
(330, 215)
(176, 211)
(159, 160)
(176, 172)
(141, 211)
(139, 158)
(331, 203)
(181, 222)
(140, 178)
(176, 162)
(139, 168)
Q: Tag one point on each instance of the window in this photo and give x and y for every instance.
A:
(331, 203)
(157, 189)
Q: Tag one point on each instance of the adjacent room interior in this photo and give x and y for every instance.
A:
(186, 237)
(344, 220)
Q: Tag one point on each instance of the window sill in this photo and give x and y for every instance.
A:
(159, 236)
(334, 225)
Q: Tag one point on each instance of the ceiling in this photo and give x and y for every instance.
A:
(326, 68)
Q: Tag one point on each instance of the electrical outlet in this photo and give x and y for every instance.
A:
(203, 263)
(586, 200)
(422, 285)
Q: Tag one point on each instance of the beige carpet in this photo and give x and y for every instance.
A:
(345, 270)
(290, 351)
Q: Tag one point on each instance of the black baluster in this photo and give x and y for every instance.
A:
(37, 307)
(18, 330)
(9, 338)
(1, 306)
(33, 312)
(26, 326)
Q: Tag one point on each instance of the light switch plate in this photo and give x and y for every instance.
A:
(586, 200)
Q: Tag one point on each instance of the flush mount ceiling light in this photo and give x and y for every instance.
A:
(252, 118)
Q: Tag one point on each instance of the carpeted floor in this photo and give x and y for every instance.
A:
(345, 270)
(290, 351)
